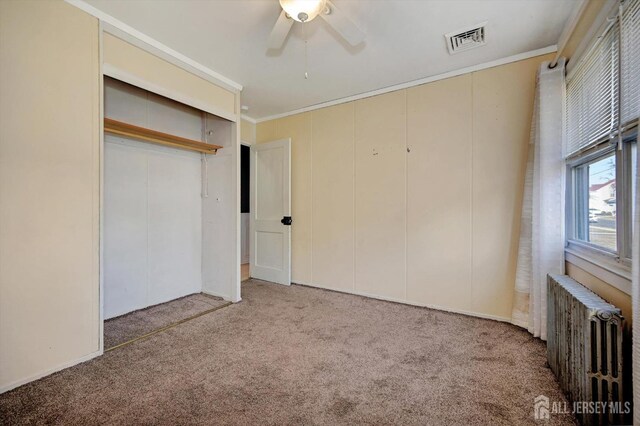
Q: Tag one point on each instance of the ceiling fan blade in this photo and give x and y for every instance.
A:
(340, 22)
(280, 31)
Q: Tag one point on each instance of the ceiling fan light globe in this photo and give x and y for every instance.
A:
(303, 10)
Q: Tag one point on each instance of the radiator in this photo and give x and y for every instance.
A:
(585, 350)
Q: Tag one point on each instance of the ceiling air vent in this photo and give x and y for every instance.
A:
(466, 38)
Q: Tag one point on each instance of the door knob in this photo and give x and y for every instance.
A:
(286, 220)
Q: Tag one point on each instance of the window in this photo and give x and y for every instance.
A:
(596, 190)
(601, 143)
(602, 198)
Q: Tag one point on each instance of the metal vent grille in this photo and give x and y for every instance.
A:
(466, 38)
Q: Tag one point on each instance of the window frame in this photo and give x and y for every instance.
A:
(613, 267)
(617, 261)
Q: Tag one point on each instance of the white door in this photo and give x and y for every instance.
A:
(270, 254)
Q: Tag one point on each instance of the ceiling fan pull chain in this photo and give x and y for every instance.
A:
(306, 61)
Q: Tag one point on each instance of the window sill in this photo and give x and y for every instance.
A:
(600, 266)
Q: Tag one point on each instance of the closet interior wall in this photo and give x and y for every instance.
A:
(155, 224)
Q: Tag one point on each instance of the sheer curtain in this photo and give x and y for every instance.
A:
(635, 299)
(541, 249)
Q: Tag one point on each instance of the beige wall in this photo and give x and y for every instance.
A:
(440, 253)
(611, 294)
(49, 188)
(247, 131)
(136, 66)
(414, 195)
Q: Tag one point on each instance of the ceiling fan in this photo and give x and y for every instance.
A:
(306, 10)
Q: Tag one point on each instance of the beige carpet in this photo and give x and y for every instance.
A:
(297, 355)
(138, 323)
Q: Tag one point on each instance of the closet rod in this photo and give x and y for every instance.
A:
(129, 130)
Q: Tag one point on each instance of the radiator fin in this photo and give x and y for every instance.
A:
(584, 347)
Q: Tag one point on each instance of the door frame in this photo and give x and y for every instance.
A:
(247, 144)
(253, 163)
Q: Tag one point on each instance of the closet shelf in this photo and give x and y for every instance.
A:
(129, 130)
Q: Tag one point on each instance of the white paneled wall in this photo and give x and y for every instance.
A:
(414, 195)
(220, 225)
(152, 225)
(381, 195)
(439, 191)
(333, 185)
(152, 205)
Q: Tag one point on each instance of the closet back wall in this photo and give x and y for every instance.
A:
(436, 226)
(152, 204)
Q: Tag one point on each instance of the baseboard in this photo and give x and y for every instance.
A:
(224, 296)
(215, 294)
(20, 382)
(406, 302)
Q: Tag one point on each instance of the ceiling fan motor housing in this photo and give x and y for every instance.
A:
(303, 10)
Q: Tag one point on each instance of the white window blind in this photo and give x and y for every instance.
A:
(592, 95)
(630, 61)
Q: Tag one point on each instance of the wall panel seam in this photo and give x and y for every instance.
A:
(471, 204)
(353, 284)
(406, 192)
(355, 195)
(148, 283)
(311, 185)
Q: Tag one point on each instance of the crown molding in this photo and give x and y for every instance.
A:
(249, 119)
(131, 33)
(455, 73)
(155, 44)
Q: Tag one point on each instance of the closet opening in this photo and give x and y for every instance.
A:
(167, 187)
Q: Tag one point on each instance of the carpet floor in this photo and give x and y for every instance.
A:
(138, 323)
(298, 355)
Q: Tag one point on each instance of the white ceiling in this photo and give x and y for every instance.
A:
(404, 42)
